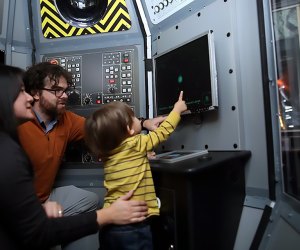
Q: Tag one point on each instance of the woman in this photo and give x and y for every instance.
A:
(24, 223)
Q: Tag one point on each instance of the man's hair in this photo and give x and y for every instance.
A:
(34, 77)
(106, 128)
(10, 83)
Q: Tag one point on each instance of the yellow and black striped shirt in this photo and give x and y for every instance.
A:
(128, 167)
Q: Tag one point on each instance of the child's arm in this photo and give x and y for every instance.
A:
(165, 129)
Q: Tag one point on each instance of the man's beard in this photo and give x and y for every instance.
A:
(50, 109)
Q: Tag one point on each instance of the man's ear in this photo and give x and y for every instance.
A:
(130, 131)
(36, 96)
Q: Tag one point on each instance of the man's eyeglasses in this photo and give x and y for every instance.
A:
(58, 92)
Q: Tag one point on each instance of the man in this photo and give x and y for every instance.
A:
(45, 139)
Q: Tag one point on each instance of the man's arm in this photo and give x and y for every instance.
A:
(152, 124)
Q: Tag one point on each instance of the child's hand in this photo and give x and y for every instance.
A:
(180, 105)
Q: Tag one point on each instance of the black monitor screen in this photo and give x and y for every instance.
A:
(190, 68)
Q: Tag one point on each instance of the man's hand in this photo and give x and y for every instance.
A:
(151, 155)
(153, 123)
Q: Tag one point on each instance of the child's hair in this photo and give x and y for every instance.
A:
(106, 128)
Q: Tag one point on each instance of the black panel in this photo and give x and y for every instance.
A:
(201, 201)
(267, 101)
(2, 56)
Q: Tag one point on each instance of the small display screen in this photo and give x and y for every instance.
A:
(189, 68)
(174, 155)
(178, 155)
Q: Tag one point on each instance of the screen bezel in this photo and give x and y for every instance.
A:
(213, 73)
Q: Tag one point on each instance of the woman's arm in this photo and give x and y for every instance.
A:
(26, 221)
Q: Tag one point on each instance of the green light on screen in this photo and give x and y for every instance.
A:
(180, 79)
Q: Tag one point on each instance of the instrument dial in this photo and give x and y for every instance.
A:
(87, 99)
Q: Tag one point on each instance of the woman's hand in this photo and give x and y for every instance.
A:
(53, 209)
(123, 211)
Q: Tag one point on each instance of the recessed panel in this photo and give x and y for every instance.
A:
(54, 24)
(161, 9)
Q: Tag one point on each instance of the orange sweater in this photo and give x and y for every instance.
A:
(46, 151)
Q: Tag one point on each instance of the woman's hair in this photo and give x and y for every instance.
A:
(106, 128)
(34, 77)
(10, 84)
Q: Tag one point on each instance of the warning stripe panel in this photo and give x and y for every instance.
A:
(116, 18)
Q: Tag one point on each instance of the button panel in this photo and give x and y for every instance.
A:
(117, 70)
(159, 10)
(99, 78)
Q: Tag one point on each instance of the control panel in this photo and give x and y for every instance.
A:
(100, 77)
(117, 70)
(161, 9)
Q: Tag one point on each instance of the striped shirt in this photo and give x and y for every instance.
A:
(128, 167)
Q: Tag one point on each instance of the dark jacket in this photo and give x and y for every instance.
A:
(23, 221)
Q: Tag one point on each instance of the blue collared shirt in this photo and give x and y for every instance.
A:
(48, 127)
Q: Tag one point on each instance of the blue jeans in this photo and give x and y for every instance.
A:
(126, 237)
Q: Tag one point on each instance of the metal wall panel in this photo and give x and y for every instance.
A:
(238, 124)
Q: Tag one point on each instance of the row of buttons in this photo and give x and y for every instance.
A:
(74, 67)
(112, 58)
(126, 90)
(111, 85)
(121, 98)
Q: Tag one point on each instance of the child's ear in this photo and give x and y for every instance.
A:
(130, 130)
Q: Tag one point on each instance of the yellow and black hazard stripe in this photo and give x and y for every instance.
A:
(115, 19)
